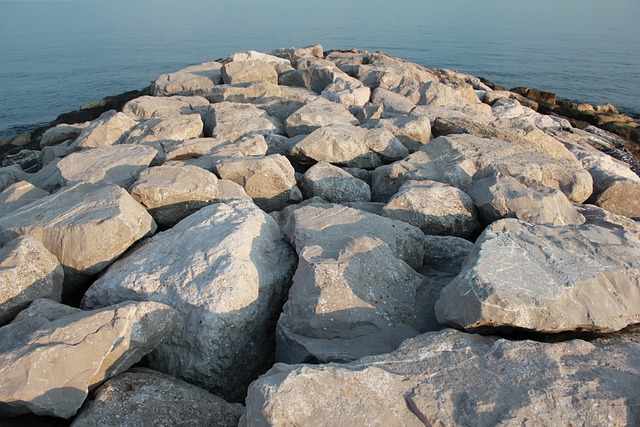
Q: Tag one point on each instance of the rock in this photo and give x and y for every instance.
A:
(269, 180)
(480, 113)
(315, 75)
(229, 190)
(413, 132)
(347, 145)
(497, 196)
(231, 121)
(109, 129)
(352, 294)
(333, 184)
(9, 175)
(446, 253)
(86, 226)
(165, 133)
(436, 94)
(226, 270)
(196, 80)
(26, 159)
(546, 279)
(206, 152)
(391, 102)
(153, 107)
(347, 91)
(492, 96)
(172, 193)
(294, 54)
(86, 348)
(453, 378)
(433, 207)
(63, 132)
(145, 397)
(50, 154)
(598, 216)
(510, 109)
(248, 71)
(536, 95)
(252, 55)
(28, 271)
(17, 195)
(318, 114)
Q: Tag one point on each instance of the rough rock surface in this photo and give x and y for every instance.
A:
(18, 195)
(151, 107)
(412, 131)
(316, 115)
(231, 121)
(248, 71)
(109, 129)
(9, 175)
(453, 378)
(28, 271)
(61, 133)
(84, 348)
(547, 279)
(86, 226)
(190, 81)
(144, 397)
(165, 132)
(333, 184)
(226, 269)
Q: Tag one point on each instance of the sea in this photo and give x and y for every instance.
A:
(57, 55)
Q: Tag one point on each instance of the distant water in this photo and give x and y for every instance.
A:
(57, 55)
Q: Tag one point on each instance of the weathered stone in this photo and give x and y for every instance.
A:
(26, 159)
(480, 113)
(597, 216)
(333, 184)
(547, 279)
(497, 196)
(621, 197)
(313, 74)
(145, 397)
(347, 145)
(231, 121)
(436, 94)
(227, 274)
(86, 226)
(269, 180)
(196, 80)
(165, 133)
(206, 152)
(492, 96)
(433, 207)
(109, 129)
(229, 190)
(248, 71)
(9, 175)
(171, 193)
(152, 107)
(294, 54)
(85, 348)
(317, 114)
(28, 271)
(512, 109)
(18, 195)
(391, 102)
(446, 253)
(252, 55)
(61, 133)
(413, 132)
(452, 378)
(348, 91)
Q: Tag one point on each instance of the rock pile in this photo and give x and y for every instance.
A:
(297, 231)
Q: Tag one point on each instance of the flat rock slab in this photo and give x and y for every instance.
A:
(248, 71)
(547, 279)
(109, 129)
(86, 226)
(28, 271)
(166, 132)
(316, 115)
(453, 378)
(232, 120)
(18, 195)
(151, 107)
(191, 81)
(226, 269)
(412, 131)
(144, 397)
(48, 365)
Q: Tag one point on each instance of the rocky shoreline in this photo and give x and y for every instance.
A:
(304, 237)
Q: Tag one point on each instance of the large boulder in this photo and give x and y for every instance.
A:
(269, 180)
(412, 131)
(49, 364)
(317, 114)
(348, 145)
(9, 175)
(190, 81)
(226, 269)
(62, 132)
(120, 165)
(433, 207)
(86, 226)
(172, 193)
(547, 279)
(248, 71)
(152, 107)
(28, 271)
(18, 195)
(165, 133)
(141, 396)
(333, 184)
(452, 378)
(109, 129)
(391, 102)
(347, 91)
(231, 121)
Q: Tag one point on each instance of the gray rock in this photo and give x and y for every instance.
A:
(313, 74)
(196, 80)
(333, 184)
(172, 193)
(120, 165)
(351, 146)
(412, 131)
(269, 180)
(215, 149)
(347, 91)
(452, 378)
(28, 271)
(391, 102)
(50, 154)
(152, 107)
(436, 94)
(547, 279)
(145, 397)
(226, 269)
(512, 109)
(109, 129)
(61, 133)
(85, 348)
(446, 253)
(18, 195)
(317, 114)
(86, 226)
(9, 175)
(480, 113)
(26, 159)
(248, 71)
(433, 207)
(165, 133)
(231, 121)
(229, 190)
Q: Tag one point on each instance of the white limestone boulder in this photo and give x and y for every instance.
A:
(18, 195)
(9, 175)
(333, 185)
(316, 115)
(109, 129)
(231, 121)
(412, 131)
(248, 71)
(152, 107)
(196, 80)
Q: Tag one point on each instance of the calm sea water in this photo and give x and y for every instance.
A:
(57, 55)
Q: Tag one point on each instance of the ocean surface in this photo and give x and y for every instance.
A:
(57, 55)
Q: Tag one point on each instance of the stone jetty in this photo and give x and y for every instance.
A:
(322, 238)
